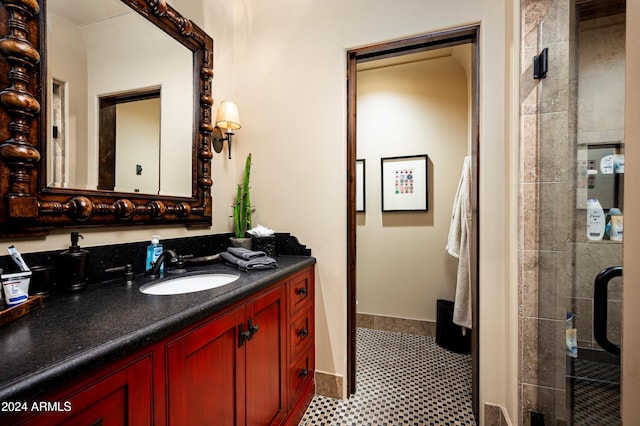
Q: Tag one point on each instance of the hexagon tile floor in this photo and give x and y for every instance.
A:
(402, 379)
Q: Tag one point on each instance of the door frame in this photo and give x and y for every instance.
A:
(436, 40)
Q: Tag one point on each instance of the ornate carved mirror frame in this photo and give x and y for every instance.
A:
(28, 206)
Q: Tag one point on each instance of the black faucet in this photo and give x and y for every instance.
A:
(154, 272)
(128, 272)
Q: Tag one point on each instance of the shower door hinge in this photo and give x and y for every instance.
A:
(540, 64)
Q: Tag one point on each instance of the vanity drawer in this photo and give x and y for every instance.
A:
(301, 372)
(300, 291)
(301, 333)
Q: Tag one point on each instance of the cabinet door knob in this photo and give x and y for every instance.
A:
(243, 336)
(253, 328)
(303, 332)
(303, 373)
(301, 291)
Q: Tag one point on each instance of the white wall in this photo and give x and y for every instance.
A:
(290, 80)
(67, 62)
(138, 143)
(409, 109)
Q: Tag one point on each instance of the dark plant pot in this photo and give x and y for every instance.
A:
(240, 242)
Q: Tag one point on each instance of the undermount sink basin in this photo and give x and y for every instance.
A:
(188, 284)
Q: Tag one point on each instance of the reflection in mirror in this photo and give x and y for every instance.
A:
(129, 142)
(101, 49)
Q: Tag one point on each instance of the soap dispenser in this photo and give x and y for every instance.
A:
(154, 250)
(71, 268)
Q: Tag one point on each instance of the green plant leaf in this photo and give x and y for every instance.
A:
(242, 209)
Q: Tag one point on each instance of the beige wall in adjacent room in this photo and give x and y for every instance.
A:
(413, 108)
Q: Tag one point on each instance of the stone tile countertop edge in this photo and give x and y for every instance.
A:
(74, 334)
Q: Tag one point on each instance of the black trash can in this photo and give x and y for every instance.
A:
(448, 334)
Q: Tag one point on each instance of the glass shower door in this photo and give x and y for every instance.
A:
(594, 308)
(594, 371)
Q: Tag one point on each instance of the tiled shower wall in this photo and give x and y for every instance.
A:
(552, 242)
(546, 208)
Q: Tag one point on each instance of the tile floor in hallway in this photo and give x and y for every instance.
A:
(402, 379)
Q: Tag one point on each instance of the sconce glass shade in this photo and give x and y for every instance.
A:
(228, 118)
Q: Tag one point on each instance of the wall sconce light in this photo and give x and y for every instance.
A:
(227, 121)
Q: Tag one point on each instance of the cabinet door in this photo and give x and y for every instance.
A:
(265, 359)
(121, 398)
(205, 375)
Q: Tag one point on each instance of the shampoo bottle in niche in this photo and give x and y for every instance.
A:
(71, 268)
(154, 250)
(595, 220)
(617, 226)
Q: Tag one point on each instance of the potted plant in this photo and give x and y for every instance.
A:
(242, 211)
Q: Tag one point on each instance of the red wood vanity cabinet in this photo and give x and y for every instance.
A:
(301, 344)
(232, 368)
(249, 364)
(104, 399)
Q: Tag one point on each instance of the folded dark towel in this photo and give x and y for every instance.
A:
(244, 253)
(261, 262)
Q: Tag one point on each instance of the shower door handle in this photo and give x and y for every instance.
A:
(600, 299)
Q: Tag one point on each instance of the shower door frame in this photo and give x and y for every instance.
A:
(435, 40)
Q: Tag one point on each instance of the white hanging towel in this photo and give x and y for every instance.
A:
(458, 246)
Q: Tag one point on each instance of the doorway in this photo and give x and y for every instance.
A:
(429, 42)
(128, 138)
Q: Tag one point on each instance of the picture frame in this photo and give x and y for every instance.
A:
(404, 183)
(360, 186)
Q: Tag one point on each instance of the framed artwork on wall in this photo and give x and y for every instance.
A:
(404, 183)
(360, 185)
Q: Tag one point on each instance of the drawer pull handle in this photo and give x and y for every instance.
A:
(302, 291)
(303, 332)
(303, 373)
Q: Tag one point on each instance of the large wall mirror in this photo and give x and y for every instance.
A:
(106, 115)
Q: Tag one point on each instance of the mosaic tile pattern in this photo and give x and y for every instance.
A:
(402, 379)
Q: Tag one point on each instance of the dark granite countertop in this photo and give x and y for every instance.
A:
(75, 334)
